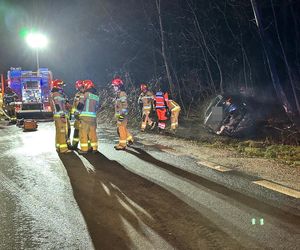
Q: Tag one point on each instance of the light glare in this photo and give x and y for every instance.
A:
(36, 40)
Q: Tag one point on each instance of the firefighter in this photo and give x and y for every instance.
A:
(1, 103)
(60, 116)
(161, 100)
(78, 97)
(9, 101)
(68, 109)
(121, 112)
(87, 114)
(174, 108)
(146, 99)
(1, 99)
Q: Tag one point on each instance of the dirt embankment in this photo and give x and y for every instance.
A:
(203, 146)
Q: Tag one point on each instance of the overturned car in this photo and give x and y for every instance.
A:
(238, 115)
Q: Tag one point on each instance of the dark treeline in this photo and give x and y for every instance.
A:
(194, 48)
(199, 48)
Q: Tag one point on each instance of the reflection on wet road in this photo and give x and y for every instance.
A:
(142, 198)
(37, 207)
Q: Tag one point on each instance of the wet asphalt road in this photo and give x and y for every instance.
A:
(142, 198)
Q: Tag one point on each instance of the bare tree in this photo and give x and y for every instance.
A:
(285, 60)
(272, 68)
(163, 47)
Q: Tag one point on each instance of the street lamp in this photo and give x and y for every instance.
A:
(36, 41)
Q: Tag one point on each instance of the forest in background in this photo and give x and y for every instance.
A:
(193, 48)
(196, 49)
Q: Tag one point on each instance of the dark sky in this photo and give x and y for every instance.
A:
(79, 46)
(95, 39)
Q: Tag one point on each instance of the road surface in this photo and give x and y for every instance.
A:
(142, 198)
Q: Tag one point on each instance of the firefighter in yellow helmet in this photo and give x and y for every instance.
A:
(60, 115)
(78, 96)
(174, 108)
(121, 112)
(146, 98)
(87, 114)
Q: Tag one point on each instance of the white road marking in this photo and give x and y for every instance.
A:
(278, 188)
(214, 166)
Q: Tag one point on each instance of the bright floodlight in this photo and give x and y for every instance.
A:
(36, 40)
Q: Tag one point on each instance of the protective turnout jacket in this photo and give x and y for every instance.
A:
(88, 105)
(121, 105)
(78, 97)
(9, 97)
(172, 105)
(146, 99)
(58, 102)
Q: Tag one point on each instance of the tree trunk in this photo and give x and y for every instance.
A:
(286, 62)
(272, 68)
(214, 58)
(163, 49)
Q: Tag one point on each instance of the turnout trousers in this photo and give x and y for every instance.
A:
(124, 134)
(75, 139)
(61, 134)
(87, 134)
(146, 119)
(174, 118)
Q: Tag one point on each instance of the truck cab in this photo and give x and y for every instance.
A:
(33, 91)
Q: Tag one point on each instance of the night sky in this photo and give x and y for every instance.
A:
(96, 39)
(79, 45)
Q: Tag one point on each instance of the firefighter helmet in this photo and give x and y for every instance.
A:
(144, 87)
(88, 84)
(117, 82)
(78, 84)
(57, 83)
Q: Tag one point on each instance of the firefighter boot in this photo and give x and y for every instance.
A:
(153, 125)
(81, 152)
(119, 147)
(173, 131)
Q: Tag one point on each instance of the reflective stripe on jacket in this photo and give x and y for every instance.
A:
(160, 100)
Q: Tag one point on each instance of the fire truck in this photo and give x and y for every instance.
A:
(33, 92)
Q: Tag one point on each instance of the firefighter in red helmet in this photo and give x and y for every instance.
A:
(121, 112)
(60, 116)
(87, 112)
(77, 98)
(146, 98)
